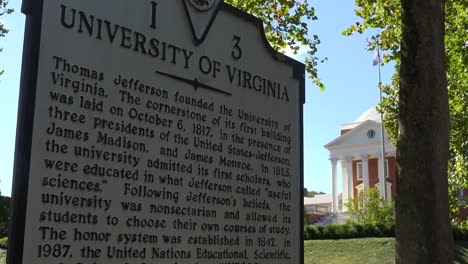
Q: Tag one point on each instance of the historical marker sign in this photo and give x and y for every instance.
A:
(155, 132)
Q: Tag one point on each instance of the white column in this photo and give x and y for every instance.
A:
(381, 177)
(334, 193)
(349, 173)
(344, 197)
(365, 171)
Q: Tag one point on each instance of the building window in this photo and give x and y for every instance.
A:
(389, 189)
(359, 170)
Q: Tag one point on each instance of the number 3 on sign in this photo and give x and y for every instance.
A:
(236, 50)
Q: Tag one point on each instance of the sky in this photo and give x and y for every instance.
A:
(350, 80)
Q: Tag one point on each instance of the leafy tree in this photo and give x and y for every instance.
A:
(418, 97)
(370, 209)
(456, 45)
(285, 23)
(3, 10)
(386, 16)
(423, 138)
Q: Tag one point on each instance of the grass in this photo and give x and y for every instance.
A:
(350, 251)
(363, 251)
(2, 256)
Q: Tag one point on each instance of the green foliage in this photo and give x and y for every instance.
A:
(370, 209)
(460, 230)
(456, 44)
(286, 27)
(4, 243)
(4, 215)
(349, 230)
(3, 10)
(386, 16)
(354, 230)
(380, 14)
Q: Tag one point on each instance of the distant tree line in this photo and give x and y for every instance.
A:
(313, 193)
(4, 215)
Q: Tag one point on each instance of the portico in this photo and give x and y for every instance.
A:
(358, 150)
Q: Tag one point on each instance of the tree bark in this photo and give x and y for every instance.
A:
(423, 231)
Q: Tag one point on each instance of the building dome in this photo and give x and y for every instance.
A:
(370, 114)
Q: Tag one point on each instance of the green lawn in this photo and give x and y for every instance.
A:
(365, 250)
(2, 256)
(362, 251)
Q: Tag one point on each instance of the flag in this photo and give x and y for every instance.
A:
(376, 57)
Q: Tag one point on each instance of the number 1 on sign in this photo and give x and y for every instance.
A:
(154, 7)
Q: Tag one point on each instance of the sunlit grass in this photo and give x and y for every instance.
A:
(363, 251)
(350, 251)
(2, 256)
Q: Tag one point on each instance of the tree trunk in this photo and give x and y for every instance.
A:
(423, 232)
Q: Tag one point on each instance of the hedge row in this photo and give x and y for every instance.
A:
(348, 231)
(360, 231)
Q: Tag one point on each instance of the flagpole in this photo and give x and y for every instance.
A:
(382, 131)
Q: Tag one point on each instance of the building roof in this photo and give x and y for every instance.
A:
(370, 114)
(356, 135)
(362, 137)
(318, 199)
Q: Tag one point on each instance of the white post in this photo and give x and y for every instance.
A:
(382, 179)
(349, 173)
(334, 194)
(344, 197)
(365, 171)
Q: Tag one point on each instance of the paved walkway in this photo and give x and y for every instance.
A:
(339, 218)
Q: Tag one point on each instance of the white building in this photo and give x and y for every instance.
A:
(358, 149)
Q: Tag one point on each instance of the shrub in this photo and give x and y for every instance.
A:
(3, 229)
(370, 208)
(4, 243)
(349, 230)
(4, 215)
(342, 231)
(460, 233)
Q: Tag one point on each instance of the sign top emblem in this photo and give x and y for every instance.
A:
(202, 5)
(201, 14)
